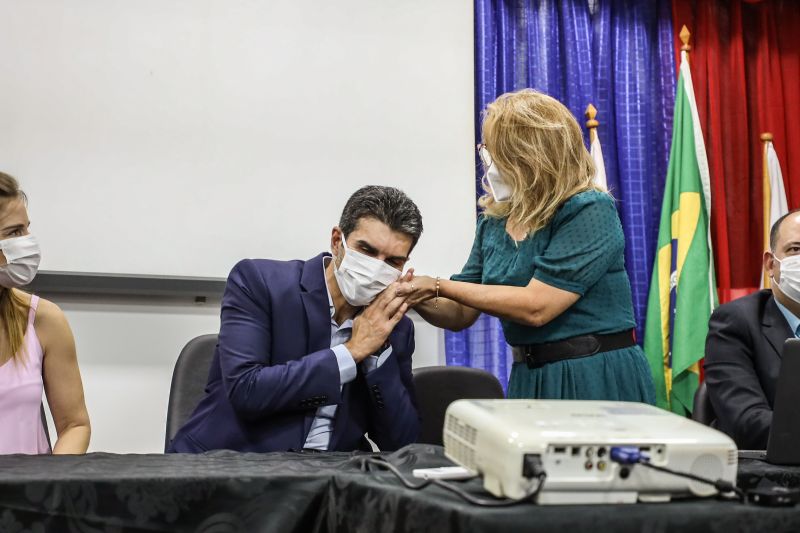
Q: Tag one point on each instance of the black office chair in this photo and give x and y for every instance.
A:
(188, 382)
(703, 411)
(438, 386)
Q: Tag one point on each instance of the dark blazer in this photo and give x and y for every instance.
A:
(274, 367)
(743, 358)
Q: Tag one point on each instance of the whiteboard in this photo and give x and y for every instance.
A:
(175, 137)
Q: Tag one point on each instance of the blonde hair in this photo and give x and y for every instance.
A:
(13, 308)
(538, 148)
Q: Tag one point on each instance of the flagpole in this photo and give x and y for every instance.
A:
(595, 150)
(683, 270)
(766, 138)
(685, 35)
(591, 122)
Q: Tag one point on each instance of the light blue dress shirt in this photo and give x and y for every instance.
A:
(791, 318)
(319, 435)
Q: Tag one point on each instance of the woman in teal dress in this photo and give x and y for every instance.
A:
(548, 260)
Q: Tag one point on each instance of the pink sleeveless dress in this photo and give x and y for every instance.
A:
(21, 387)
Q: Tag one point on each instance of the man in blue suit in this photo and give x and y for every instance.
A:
(315, 354)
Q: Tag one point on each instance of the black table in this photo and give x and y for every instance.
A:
(223, 492)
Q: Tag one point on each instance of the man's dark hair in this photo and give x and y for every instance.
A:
(385, 204)
(773, 233)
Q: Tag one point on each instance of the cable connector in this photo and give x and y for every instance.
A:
(627, 455)
(532, 466)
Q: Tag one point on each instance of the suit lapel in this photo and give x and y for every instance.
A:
(774, 326)
(315, 302)
(314, 294)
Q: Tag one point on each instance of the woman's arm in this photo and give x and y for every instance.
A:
(447, 314)
(460, 303)
(62, 380)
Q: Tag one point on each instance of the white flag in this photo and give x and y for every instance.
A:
(774, 197)
(600, 167)
(777, 198)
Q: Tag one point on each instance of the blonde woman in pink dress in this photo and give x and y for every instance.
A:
(37, 350)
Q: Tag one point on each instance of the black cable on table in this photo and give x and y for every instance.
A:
(393, 469)
(722, 486)
(483, 502)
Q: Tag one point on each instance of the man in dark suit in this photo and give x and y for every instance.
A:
(315, 354)
(745, 341)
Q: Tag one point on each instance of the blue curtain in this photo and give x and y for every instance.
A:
(615, 54)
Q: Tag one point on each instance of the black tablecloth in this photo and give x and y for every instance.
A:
(223, 492)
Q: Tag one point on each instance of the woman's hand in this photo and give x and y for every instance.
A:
(421, 294)
(416, 289)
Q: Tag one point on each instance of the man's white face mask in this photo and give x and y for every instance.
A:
(361, 277)
(497, 185)
(790, 276)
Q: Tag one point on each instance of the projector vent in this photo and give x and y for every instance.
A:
(461, 430)
(459, 442)
(733, 457)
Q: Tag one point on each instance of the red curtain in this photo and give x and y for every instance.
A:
(745, 63)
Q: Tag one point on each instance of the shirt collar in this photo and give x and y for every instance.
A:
(791, 318)
(325, 262)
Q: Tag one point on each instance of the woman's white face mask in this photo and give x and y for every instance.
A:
(497, 185)
(361, 277)
(22, 261)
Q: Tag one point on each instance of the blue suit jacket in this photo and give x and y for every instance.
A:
(274, 367)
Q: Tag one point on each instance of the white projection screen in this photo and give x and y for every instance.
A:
(175, 137)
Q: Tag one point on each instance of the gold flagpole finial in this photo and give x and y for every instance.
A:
(766, 137)
(591, 123)
(591, 112)
(685, 36)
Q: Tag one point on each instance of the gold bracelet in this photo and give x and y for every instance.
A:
(436, 300)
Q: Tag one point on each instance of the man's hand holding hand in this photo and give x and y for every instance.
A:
(373, 325)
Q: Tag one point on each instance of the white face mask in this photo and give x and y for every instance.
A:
(500, 189)
(22, 258)
(361, 277)
(790, 276)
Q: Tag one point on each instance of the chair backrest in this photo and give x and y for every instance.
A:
(438, 386)
(703, 411)
(188, 382)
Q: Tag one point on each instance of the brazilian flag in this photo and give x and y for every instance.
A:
(683, 289)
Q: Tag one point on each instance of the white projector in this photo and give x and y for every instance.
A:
(573, 440)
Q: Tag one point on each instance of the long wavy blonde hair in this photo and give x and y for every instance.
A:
(13, 308)
(538, 148)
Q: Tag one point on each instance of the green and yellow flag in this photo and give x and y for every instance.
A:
(683, 289)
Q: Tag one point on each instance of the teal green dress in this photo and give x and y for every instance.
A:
(581, 251)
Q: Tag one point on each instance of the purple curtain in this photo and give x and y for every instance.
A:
(615, 54)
